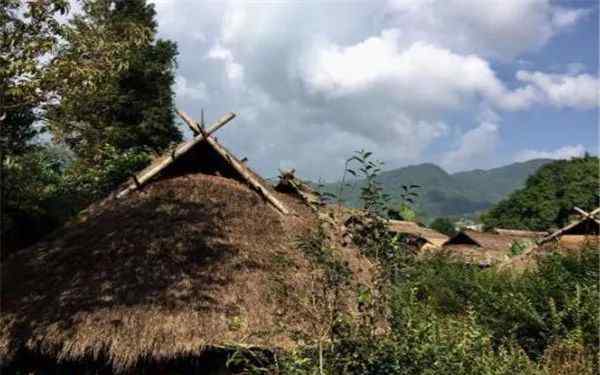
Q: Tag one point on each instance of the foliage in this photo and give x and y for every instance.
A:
(549, 196)
(517, 248)
(111, 169)
(453, 318)
(44, 188)
(30, 185)
(444, 225)
(100, 84)
(536, 308)
(402, 212)
(17, 128)
(373, 198)
(29, 32)
(130, 105)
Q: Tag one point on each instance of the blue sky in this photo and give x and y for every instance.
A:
(461, 83)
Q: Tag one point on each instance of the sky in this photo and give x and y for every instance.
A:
(464, 84)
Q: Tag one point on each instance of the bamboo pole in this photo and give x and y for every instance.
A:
(159, 164)
(239, 167)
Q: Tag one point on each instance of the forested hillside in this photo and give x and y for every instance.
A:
(548, 198)
(444, 194)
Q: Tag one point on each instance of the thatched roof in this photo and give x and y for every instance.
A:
(188, 263)
(408, 227)
(520, 233)
(484, 240)
(194, 259)
(588, 224)
(203, 153)
(471, 254)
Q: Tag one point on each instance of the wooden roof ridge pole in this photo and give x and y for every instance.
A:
(585, 215)
(582, 212)
(196, 128)
(158, 165)
(239, 167)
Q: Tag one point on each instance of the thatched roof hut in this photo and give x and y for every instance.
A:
(194, 260)
(425, 237)
(579, 233)
(485, 248)
(535, 235)
(481, 240)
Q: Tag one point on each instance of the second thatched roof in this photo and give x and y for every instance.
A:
(483, 240)
(431, 236)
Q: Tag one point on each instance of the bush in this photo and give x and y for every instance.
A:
(535, 308)
(444, 225)
(451, 318)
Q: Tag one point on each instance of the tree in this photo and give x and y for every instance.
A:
(548, 198)
(131, 107)
(100, 84)
(17, 127)
(444, 225)
(29, 31)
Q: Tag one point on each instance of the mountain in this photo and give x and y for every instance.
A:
(445, 194)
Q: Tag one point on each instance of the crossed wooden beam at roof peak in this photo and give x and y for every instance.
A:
(202, 134)
(584, 216)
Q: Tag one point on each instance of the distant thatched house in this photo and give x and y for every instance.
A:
(194, 258)
(528, 234)
(585, 231)
(485, 248)
(483, 240)
(423, 238)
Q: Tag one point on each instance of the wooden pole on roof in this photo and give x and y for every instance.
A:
(160, 163)
(239, 167)
(581, 212)
(586, 214)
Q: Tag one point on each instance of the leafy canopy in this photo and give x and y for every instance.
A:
(548, 198)
(443, 225)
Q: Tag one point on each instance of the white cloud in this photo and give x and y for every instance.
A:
(561, 90)
(566, 17)
(476, 148)
(421, 73)
(189, 92)
(424, 74)
(234, 70)
(565, 152)
(385, 77)
(495, 28)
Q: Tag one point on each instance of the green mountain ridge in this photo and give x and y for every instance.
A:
(443, 194)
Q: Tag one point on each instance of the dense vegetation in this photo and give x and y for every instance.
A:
(443, 225)
(548, 198)
(451, 318)
(444, 194)
(445, 317)
(98, 87)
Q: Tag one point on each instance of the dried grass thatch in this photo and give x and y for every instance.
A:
(520, 233)
(490, 241)
(189, 262)
(485, 248)
(430, 237)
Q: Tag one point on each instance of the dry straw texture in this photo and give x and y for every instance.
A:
(188, 262)
(433, 237)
